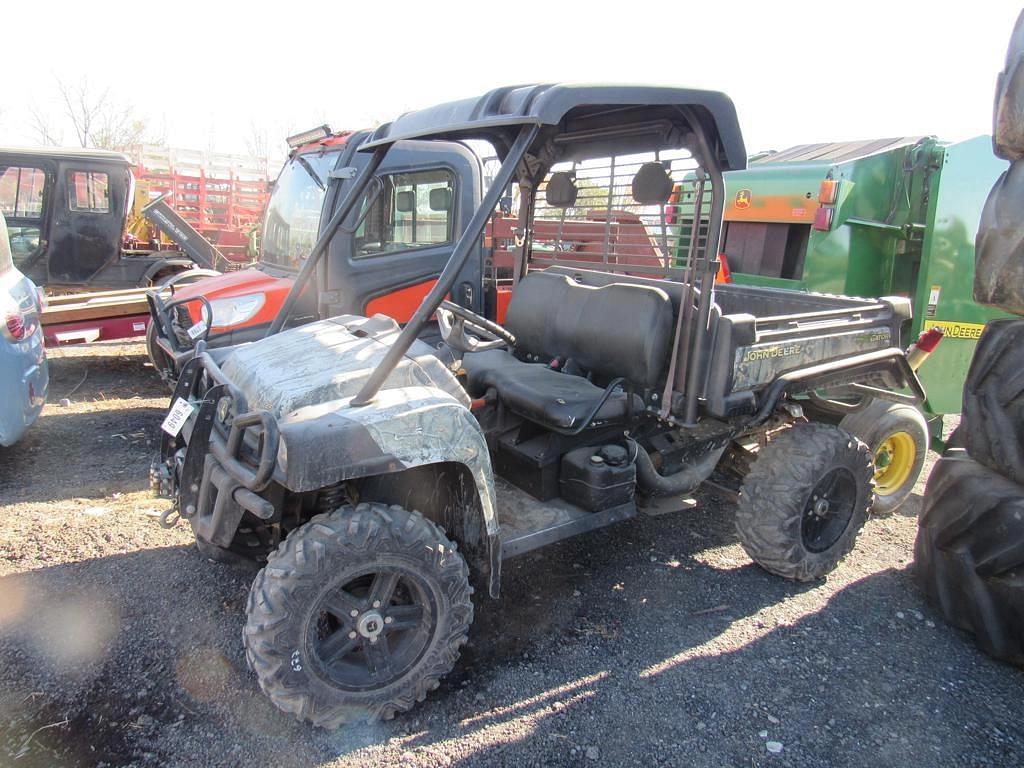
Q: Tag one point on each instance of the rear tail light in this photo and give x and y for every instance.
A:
(724, 273)
(924, 346)
(823, 219)
(828, 192)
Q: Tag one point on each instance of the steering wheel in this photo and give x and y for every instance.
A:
(455, 320)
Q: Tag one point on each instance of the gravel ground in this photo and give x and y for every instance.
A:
(653, 642)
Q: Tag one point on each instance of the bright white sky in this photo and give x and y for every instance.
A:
(207, 75)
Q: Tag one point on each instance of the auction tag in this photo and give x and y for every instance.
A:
(197, 330)
(177, 417)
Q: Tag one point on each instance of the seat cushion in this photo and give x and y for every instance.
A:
(538, 393)
(615, 330)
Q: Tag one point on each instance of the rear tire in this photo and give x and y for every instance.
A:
(897, 436)
(804, 501)
(969, 554)
(323, 665)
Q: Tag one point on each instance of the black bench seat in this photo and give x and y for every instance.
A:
(615, 331)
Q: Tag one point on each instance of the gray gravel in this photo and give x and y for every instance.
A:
(654, 642)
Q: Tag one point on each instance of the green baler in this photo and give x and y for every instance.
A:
(903, 224)
(874, 218)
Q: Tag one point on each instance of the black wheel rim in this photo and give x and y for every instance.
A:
(372, 629)
(829, 510)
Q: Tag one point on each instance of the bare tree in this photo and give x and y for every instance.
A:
(47, 132)
(258, 144)
(83, 107)
(97, 118)
(118, 130)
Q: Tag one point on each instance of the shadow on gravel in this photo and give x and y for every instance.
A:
(97, 657)
(871, 677)
(652, 642)
(102, 377)
(68, 455)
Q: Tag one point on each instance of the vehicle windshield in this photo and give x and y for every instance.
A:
(293, 213)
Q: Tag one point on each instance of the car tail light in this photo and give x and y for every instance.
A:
(17, 327)
(823, 219)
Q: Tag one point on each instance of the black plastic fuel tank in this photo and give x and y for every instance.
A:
(597, 477)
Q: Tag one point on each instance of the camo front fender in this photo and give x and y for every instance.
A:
(403, 428)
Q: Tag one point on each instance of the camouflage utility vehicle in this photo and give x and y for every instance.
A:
(380, 476)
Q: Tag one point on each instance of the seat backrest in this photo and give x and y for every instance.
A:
(615, 330)
(561, 191)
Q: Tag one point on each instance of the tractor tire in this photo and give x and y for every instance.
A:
(1008, 111)
(181, 276)
(804, 501)
(897, 436)
(999, 246)
(409, 590)
(957, 438)
(969, 553)
(993, 413)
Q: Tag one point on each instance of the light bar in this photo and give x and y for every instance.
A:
(313, 134)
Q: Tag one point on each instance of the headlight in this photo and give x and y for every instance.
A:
(232, 311)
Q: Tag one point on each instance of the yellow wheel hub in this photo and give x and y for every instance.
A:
(894, 461)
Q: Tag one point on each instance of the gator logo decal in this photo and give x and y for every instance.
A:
(743, 198)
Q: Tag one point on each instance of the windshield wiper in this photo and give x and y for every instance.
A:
(309, 169)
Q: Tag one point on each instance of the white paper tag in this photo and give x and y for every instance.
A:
(177, 417)
(197, 330)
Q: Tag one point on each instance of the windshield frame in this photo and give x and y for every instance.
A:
(324, 161)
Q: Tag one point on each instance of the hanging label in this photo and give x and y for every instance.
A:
(933, 300)
(177, 417)
(197, 330)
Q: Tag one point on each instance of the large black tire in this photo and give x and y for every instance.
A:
(316, 661)
(993, 413)
(779, 519)
(999, 246)
(1008, 111)
(969, 554)
(897, 436)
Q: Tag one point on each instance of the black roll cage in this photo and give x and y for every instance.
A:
(535, 148)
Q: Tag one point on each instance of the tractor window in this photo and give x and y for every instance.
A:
(769, 250)
(22, 193)
(88, 192)
(413, 210)
(293, 213)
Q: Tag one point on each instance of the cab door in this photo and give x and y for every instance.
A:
(398, 239)
(88, 220)
(26, 191)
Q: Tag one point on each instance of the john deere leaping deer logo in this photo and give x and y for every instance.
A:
(743, 199)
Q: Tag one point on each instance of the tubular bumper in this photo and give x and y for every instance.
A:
(221, 462)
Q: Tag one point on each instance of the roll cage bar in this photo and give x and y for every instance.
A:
(533, 127)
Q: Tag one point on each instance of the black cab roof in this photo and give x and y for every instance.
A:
(498, 114)
(66, 153)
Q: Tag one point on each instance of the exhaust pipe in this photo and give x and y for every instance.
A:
(683, 481)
